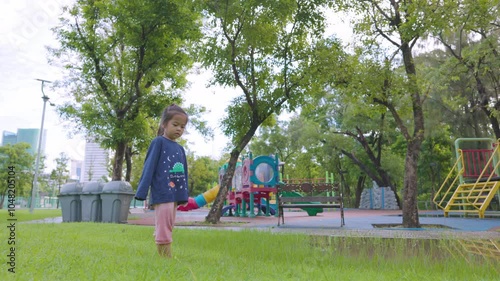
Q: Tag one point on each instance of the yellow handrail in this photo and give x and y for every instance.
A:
(450, 174)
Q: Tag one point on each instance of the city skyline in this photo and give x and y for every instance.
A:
(27, 135)
(31, 136)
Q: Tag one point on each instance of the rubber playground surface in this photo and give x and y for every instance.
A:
(358, 222)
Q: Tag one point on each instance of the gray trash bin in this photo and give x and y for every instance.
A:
(91, 201)
(116, 197)
(71, 205)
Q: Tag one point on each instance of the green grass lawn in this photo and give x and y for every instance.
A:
(24, 214)
(102, 251)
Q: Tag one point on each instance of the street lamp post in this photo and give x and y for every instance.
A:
(37, 163)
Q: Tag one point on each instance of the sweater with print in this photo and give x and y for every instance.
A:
(165, 173)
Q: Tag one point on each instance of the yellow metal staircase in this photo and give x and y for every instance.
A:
(472, 198)
(465, 197)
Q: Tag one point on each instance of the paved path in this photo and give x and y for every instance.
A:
(358, 223)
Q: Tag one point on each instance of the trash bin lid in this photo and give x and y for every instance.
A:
(117, 187)
(71, 188)
(92, 187)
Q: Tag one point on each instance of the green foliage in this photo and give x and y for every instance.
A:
(61, 173)
(125, 61)
(436, 160)
(349, 115)
(263, 48)
(16, 163)
(137, 164)
(298, 144)
(203, 172)
(281, 139)
(469, 66)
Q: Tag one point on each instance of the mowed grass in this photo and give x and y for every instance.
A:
(100, 251)
(24, 214)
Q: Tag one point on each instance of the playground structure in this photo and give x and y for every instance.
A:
(254, 182)
(253, 185)
(474, 179)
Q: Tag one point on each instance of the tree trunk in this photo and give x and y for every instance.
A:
(410, 208)
(410, 188)
(128, 161)
(118, 162)
(216, 211)
(359, 190)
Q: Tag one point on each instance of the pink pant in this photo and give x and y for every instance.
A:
(164, 222)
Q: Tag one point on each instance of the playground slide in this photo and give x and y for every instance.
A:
(200, 200)
(312, 211)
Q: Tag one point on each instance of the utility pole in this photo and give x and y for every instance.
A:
(37, 163)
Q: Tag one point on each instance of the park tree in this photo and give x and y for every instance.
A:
(447, 106)
(399, 26)
(288, 139)
(262, 48)
(134, 155)
(470, 66)
(310, 147)
(353, 135)
(125, 61)
(43, 185)
(351, 127)
(60, 174)
(271, 140)
(16, 162)
(203, 173)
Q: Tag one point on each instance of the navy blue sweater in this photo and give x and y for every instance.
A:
(165, 172)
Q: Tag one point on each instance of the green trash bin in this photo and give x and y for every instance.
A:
(71, 205)
(91, 201)
(116, 197)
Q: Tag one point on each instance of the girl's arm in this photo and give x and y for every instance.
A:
(149, 169)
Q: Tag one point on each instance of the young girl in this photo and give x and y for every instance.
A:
(165, 172)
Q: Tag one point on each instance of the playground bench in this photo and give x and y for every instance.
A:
(309, 196)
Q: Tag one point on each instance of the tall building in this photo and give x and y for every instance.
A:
(95, 163)
(9, 138)
(75, 172)
(30, 136)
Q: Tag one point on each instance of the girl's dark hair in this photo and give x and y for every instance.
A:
(168, 113)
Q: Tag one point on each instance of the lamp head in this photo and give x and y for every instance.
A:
(43, 80)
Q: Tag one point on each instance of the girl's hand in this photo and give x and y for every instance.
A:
(189, 205)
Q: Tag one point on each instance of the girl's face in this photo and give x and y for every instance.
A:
(175, 127)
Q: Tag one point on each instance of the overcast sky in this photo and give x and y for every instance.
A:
(24, 33)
